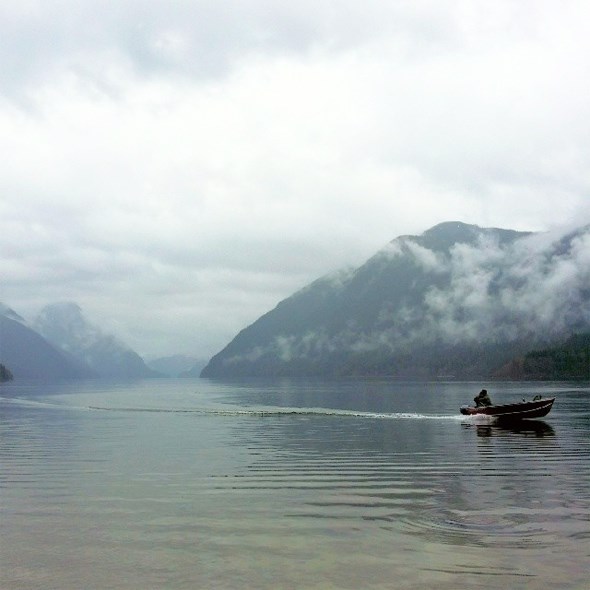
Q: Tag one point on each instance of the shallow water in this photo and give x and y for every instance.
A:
(278, 484)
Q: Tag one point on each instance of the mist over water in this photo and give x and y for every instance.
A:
(281, 484)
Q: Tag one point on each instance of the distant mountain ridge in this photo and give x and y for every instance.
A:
(30, 356)
(457, 300)
(178, 365)
(64, 325)
(62, 344)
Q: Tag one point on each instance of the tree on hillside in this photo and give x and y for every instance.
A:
(5, 374)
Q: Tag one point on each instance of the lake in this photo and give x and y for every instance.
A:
(353, 484)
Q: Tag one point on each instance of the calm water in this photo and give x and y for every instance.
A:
(173, 484)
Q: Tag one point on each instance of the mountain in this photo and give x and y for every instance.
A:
(195, 369)
(457, 300)
(64, 325)
(30, 356)
(175, 365)
(9, 313)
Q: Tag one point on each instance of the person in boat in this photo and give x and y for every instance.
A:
(482, 399)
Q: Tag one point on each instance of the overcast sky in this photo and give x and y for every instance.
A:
(178, 168)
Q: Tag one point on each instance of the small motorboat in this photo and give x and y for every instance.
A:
(523, 410)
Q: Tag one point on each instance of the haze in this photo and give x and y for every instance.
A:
(177, 169)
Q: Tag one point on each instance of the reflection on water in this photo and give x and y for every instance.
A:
(289, 485)
(524, 428)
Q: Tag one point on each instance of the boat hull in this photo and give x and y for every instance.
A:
(508, 412)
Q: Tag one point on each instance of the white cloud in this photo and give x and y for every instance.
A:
(499, 293)
(207, 159)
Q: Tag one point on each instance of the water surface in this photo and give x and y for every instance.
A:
(277, 484)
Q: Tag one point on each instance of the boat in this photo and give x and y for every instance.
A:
(523, 410)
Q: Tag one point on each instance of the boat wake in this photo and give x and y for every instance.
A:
(19, 401)
(285, 412)
(264, 412)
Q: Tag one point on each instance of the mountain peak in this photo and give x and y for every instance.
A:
(452, 229)
(65, 325)
(28, 355)
(445, 235)
(9, 313)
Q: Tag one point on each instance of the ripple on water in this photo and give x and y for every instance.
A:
(500, 529)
